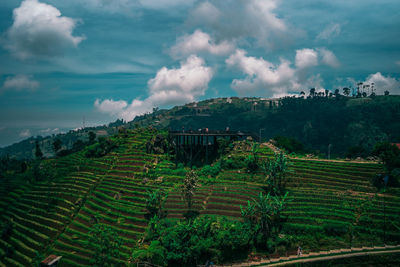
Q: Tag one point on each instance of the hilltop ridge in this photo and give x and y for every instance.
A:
(347, 123)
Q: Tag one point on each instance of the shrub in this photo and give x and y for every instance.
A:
(212, 171)
(107, 244)
(102, 148)
(190, 243)
(251, 164)
(356, 151)
(43, 171)
(290, 144)
(233, 163)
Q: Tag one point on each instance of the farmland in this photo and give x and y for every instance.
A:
(333, 204)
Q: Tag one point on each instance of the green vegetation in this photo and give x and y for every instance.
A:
(349, 126)
(100, 149)
(107, 244)
(191, 243)
(290, 144)
(139, 200)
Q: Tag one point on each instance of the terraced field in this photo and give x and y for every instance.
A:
(55, 217)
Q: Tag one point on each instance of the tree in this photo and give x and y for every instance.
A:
(190, 185)
(264, 214)
(312, 91)
(389, 155)
(326, 92)
(57, 144)
(155, 203)
(337, 93)
(92, 137)
(346, 91)
(276, 171)
(38, 151)
(106, 244)
(386, 92)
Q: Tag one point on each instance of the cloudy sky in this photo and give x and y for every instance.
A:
(98, 60)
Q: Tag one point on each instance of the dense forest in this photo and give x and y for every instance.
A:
(349, 125)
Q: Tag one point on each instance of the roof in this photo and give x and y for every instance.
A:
(51, 259)
(396, 144)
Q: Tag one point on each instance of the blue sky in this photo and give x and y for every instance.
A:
(65, 60)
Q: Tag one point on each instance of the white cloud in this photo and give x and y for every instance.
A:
(189, 81)
(329, 58)
(264, 78)
(306, 58)
(110, 106)
(39, 30)
(25, 133)
(169, 87)
(199, 42)
(20, 83)
(383, 83)
(261, 75)
(237, 19)
(331, 31)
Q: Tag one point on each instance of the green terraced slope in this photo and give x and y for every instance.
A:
(56, 217)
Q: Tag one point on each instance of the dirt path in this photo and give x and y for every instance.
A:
(322, 256)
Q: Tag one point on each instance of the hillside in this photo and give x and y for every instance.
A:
(56, 216)
(26, 148)
(344, 122)
(347, 123)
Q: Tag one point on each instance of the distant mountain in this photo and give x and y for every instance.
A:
(347, 123)
(26, 148)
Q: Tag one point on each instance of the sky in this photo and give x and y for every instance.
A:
(65, 63)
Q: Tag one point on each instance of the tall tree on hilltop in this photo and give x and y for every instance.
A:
(312, 92)
(92, 137)
(38, 151)
(57, 144)
(346, 91)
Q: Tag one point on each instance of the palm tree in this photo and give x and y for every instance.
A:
(276, 171)
(312, 91)
(268, 210)
(346, 91)
(337, 92)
